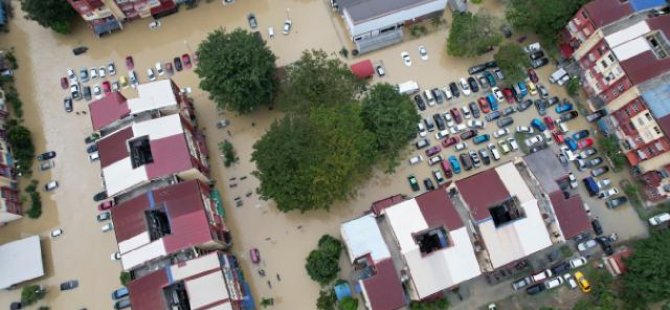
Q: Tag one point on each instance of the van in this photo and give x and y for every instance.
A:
(408, 87)
(120, 293)
(557, 76)
(541, 276)
(429, 97)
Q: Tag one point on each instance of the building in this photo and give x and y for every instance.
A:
(211, 281)
(10, 200)
(622, 48)
(21, 261)
(374, 24)
(409, 249)
(173, 221)
(105, 16)
(508, 219)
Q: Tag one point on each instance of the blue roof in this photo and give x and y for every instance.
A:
(107, 26)
(657, 96)
(342, 290)
(3, 20)
(641, 5)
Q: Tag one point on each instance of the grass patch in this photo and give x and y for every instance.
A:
(35, 210)
(521, 141)
(566, 251)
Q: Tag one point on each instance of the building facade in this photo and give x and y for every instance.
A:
(10, 200)
(105, 16)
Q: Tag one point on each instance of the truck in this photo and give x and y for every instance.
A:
(408, 87)
(591, 186)
(559, 77)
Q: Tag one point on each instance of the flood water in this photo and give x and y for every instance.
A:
(284, 240)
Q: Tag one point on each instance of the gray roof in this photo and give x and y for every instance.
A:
(546, 168)
(361, 10)
(21, 261)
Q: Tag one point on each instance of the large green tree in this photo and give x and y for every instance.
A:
(392, 118)
(326, 300)
(323, 262)
(54, 14)
(648, 270)
(513, 61)
(546, 18)
(20, 139)
(473, 34)
(307, 162)
(237, 69)
(31, 294)
(317, 80)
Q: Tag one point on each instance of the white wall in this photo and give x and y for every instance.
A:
(394, 18)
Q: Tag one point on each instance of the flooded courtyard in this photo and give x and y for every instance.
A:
(284, 240)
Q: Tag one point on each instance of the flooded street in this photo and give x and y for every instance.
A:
(284, 240)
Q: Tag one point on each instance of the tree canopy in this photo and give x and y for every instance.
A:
(21, 141)
(546, 18)
(473, 34)
(513, 61)
(54, 14)
(323, 262)
(648, 270)
(392, 118)
(237, 69)
(31, 294)
(326, 300)
(317, 80)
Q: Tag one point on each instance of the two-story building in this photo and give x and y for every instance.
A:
(105, 16)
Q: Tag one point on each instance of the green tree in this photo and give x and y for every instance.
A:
(547, 18)
(323, 262)
(348, 303)
(318, 80)
(327, 300)
(307, 162)
(473, 34)
(573, 87)
(513, 61)
(229, 154)
(392, 118)
(438, 304)
(648, 270)
(31, 294)
(54, 14)
(237, 69)
(124, 277)
(21, 142)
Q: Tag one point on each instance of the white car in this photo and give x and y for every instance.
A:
(151, 75)
(423, 52)
(570, 280)
(111, 68)
(498, 94)
(442, 134)
(435, 160)
(159, 69)
(578, 262)
(115, 256)
(513, 144)
(406, 59)
(97, 91)
(466, 112)
(50, 186)
(659, 219)
(449, 118)
(107, 227)
(573, 180)
(286, 28)
(447, 93)
(93, 156)
(534, 139)
(415, 160)
(422, 129)
(56, 233)
(102, 72)
(553, 283)
(460, 146)
(465, 87)
(458, 128)
(608, 193)
(71, 76)
(500, 133)
(93, 73)
(473, 123)
(587, 245)
(494, 151)
(132, 77)
(524, 129)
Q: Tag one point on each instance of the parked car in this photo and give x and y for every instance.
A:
(524, 105)
(538, 124)
(616, 202)
(505, 121)
(465, 87)
(499, 74)
(500, 132)
(251, 19)
(570, 280)
(560, 268)
(599, 171)
(596, 115)
(423, 52)
(177, 64)
(544, 93)
(476, 162)
(449, 141)
(455, 165)
(481, 139)
(428, 183)
(454, 89)
(533, 76)
(490, 78)
(577, 262)
(476, 69)
(151, 75)
(413, 183)
(69, 285)
(608, 193)
(106, 205)
(584, 143)
(50, 186)
(474, 109)
(122, 304)
(466, 161)
(186, 61)
(435, 160)
(583, 283)
(120, 293)
(539, 63)
(494, 151)
(484, 105)
(468, 134)
(104, 216)
(524, 129)
(597, 228)
(286, 27)
(484, 154)
(439, 178)
(568, 116)
(586, 153)
(473, 84)
(447, 169)
(100, 196)
(521, 283)
(433, 150)
(107, 227)
(563, 107)
(406, 59)
(420, 103)
(553, 282)
(130, 64)
(659, 219)
(535, 289)
(586, 245)
(46, 155)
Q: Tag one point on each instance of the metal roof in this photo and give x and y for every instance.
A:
(361, 10)
(480, 191)
(384, 290)
(570, 213)
(21, 261)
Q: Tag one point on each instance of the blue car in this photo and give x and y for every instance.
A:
(538, 124)
(580, 135)
(522, 88)
(455, 165)
(493, 102)
(570, 142)
(563, 107)
(480, 139)
(489, 76)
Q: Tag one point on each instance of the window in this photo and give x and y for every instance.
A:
(648, 116)
(604, 64)
(636, 107)
(592, 57)
(611, 57)
(140, 151)
(658, 131)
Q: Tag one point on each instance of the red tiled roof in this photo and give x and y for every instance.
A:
(572, 217)
(604, 12)
(481, 191)
(185, 209)
(113, 148)
(170, 155)
(108, 109)
(363, 69)
(646, 66)
(147, 292)
(438, 210)
(384, 290)
(379, 205)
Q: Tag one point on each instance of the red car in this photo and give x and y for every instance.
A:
(106, 205)
(106, 87)
(509, 95)
(433, 150)
(558, 137)
(447, 169)
(533, 76)
(484, 105)
(449, 142)
(584, 143)
(186, 61)
(255, 256)
(130, 64)
(64, 83)
(549, 122)
(456, 115)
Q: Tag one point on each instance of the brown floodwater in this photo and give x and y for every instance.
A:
(284, 240)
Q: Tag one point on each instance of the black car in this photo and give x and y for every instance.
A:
(474, 109)
(454, 89)
(477, 69)
(46, 156)
(67, 104)
(535, 289)
(92, 148)
(614, 203)
(420, 103)
(429, 125)
(428, 183)
(597, 228)
(568, 116)
(438, 94)
(69, 285)
(79, 50)
(606, 244)
(251, 18)
(439, 121)
(466, 161)
(596, 115)
(468, 134)
(177, 64)
(539, 63)
(541, 106)
(524, 105)
(87, 93)
(100, 196)
(491, 64)
(473, 84)
(552, 101)
(560, 268)
(536, 55)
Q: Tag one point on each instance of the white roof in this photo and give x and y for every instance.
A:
(134, 242)
(142, 254)
(627, 34)
(440, 269)
(631, 48)
(362, 236)
(159, 128)
(152, 96)
(20, 261)
(514, 183)
(208, 287)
